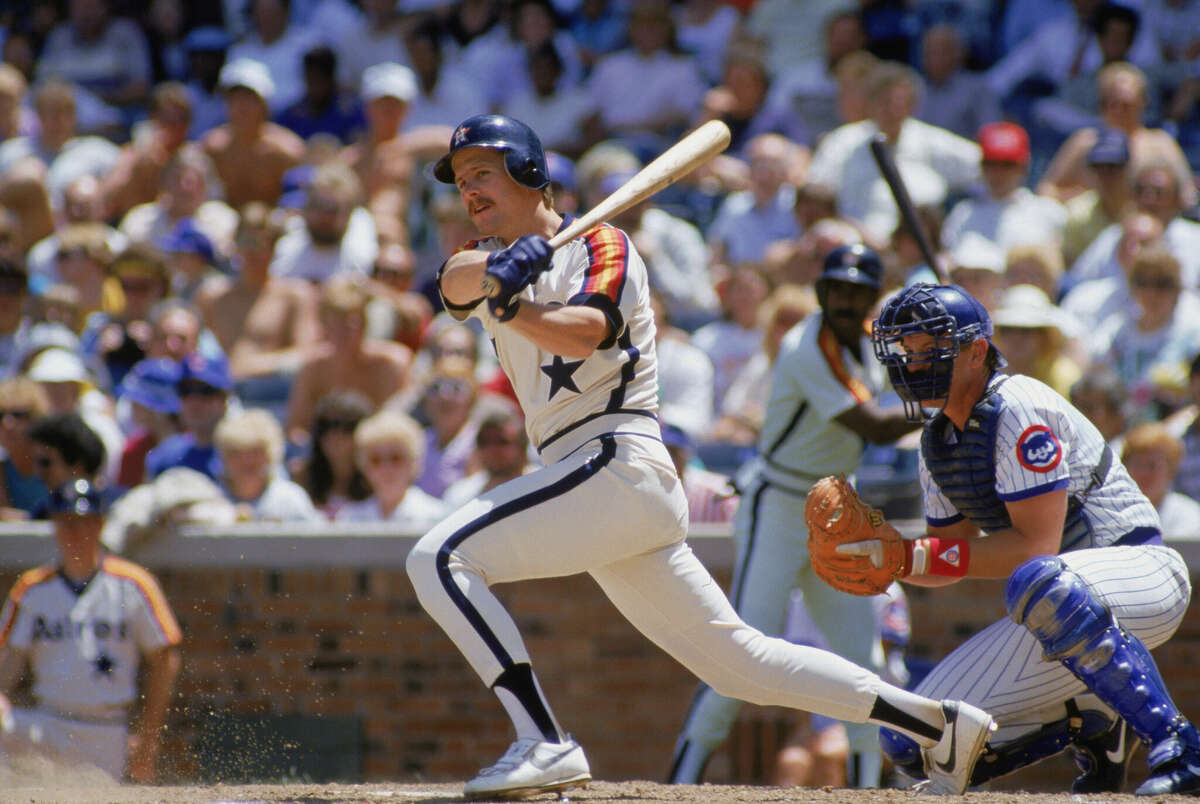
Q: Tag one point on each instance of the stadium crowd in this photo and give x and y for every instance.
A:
(219, 234)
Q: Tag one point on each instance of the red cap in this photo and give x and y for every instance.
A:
(1004, 142)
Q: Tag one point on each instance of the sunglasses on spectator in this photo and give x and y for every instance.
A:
(20, 414)
(198, 389)
(389, 458)
(451, 389)
(1154, 283)
(344, 425)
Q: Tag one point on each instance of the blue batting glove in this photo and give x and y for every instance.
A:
(533, 252)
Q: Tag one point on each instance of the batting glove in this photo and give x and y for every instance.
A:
(514, 269)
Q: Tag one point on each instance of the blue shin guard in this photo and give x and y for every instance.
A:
(1078, 630)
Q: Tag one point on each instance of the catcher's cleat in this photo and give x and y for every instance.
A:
(532, 766)
(1103, 760)
(948, 764)
(1174, 765)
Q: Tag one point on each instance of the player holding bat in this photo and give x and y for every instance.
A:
(573, 331)
(1018, 484)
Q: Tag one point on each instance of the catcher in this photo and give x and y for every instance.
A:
(1090, 585)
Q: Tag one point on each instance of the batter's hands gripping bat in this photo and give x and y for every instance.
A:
(887, 166)
(676, 162)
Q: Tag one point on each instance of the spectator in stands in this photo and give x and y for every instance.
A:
(279, 44)
(670, 87)
(748, 222)
(711, 498)
(501, 452)
(907, 263)
(742, 410)
(83, 202)
(176, 331)
(22, 401)
(338, 236)
(250, 444)
(449, 406)
(378, 39)
(1186, 425)
(734, 339)
(685, 374)
(99, 678)
(933, 161)
(107, 55)
(330, 474)
(1037, 264)
(598, 28)
(1092, 301)
(83, 260)
(977, 264)
(396, 312)
(251, 153)
(120, 340)
(153, 409)
(536, 27)
(15, 119)
(1122, 106)
(549, 103)
(165, 25)
(65, 448)
(191, 258)
(323, 109)
(799, 262)
(1157, 190)
(388, 447)
(263, 323)
(205, 47)
(137, 176)
(1151, 342)
(445, 94)
(1107, 200)
(1010, 214)
(14, 324)
(1152, 456)
(203, 388)
(953, 98)
(186, 185)
(706, 28)
(1102, 398)
(1031, 334)
(345, 358)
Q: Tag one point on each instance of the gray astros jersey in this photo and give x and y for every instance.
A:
(1043, 444)
(557, 394)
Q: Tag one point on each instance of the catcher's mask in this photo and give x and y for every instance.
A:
(524, 158)
(947, 313)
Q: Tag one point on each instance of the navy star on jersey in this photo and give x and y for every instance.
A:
(560, 373)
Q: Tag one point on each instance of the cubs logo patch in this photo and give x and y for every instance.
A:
(950, 556)
(1038, 449)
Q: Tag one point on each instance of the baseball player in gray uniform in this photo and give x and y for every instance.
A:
(82, 628)
(1090, 585)
(820, 413)
(574, 332)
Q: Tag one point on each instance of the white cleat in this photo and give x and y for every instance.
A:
(948, 764)
(532, 766)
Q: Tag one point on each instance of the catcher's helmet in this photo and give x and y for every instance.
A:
(948, 313)
(854, 263)
(523, 156)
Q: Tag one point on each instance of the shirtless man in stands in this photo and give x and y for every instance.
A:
(264, 324)
(250, 152)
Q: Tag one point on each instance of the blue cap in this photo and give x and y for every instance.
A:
(562, 170)
(294, 192)
(211, 38)
(1111, 148)
(210, 371)
(675, 436)
(76, 497)
(186, 238)
(151, 384)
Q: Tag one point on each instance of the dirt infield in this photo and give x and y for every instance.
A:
(595, 793)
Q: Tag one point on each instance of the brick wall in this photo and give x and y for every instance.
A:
(351, 641)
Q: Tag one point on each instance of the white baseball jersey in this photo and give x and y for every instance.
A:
(1043, 444)
(85, 642)
(557, 394)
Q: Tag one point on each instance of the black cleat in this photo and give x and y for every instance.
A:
(1103, 760)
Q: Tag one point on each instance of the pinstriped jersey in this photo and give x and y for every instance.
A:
(1043, 444)
(603, 270)
(815, 379)
(84, 644)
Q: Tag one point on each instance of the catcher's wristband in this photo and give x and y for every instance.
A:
(933, 556)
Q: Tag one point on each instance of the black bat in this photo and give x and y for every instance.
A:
(887, 166)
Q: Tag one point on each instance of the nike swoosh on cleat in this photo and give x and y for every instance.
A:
(948, 765)
(1117, 755)
(545, 764)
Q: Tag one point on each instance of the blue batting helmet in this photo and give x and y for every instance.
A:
(523, 155)
(950, 315)
(855, 263)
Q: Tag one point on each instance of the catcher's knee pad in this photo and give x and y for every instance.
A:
(1078, 629)
(903, 751)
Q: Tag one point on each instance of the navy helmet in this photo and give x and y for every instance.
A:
(523, 155)
(951, 316)
(855, 263)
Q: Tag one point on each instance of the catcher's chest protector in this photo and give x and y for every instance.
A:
(964, 468)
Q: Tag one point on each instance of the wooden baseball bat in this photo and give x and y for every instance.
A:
(908, 212)
(676, 162)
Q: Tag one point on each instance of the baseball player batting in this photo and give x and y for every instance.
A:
(821, 412)
(82, 628)
(1090, 585)
(574, 333)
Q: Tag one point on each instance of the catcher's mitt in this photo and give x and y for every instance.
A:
(852, 547)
